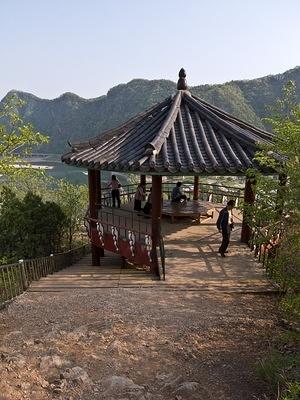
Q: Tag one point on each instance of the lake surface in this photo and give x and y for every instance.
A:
(53, 166)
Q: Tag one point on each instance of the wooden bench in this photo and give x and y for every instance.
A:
(194, 209)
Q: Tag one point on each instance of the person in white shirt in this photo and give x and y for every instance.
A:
(115, 191)
(139, 197)
(148, 206)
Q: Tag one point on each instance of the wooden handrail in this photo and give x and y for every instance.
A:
(15, 278)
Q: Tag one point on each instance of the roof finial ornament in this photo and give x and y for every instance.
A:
(181, 84)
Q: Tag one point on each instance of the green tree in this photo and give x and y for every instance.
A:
(277, 209)
(16, 138)
(278, 205)
(29, 228)
(73, 200)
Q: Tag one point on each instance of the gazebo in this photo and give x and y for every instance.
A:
(183, 135)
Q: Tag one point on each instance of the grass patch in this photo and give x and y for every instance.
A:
(292, 391)
(290, 305)
(281, 367)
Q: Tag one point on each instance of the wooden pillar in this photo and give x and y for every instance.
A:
(98, 189)
(196, 188)
(249, 198)
(94, 184)
(143, 180)
(156, 199)
(98, 200)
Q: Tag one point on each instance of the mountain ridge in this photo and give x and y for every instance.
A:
(74, 118)
(279, 75)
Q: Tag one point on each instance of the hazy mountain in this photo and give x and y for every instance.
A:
(70, 117)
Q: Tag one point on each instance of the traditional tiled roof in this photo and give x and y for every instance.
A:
(181, 135)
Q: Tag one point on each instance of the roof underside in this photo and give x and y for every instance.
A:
(182, 135)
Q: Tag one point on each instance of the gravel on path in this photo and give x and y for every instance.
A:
(115, 344)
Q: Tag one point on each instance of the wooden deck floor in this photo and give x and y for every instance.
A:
(193, 260)
(192, 263)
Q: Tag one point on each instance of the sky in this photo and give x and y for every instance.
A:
(48, 47)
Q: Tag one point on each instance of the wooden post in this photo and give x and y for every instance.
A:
(93, 178)
(156, 198)
(249, 198)
(196, 188)
(23, 275)
(143, 180)
(98, 188)
(98, 200)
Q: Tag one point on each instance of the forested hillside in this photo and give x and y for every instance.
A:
(70, 117)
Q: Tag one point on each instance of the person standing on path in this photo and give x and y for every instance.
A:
(148, 206)
(225, 226)
(139, 197)
(115, 191)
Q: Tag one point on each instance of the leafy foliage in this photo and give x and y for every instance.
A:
(16, 138)
(72, 199)
(279, 199)
(29, 228)
(38, 214)
(278, 209)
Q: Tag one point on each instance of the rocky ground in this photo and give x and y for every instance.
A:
(123, 344)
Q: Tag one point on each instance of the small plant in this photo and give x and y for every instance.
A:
(290, 305)
(292, 391)
(280, 372)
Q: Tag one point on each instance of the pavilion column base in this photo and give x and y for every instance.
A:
(154, 268)
(97, 253)
(196, 188)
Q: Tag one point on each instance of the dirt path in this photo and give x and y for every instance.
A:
(134, 344)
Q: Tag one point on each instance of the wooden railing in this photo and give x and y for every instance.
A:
(125, 220)
(207, 192)
(15, 278)
(264, 245)
(162, 259)
(126, 194)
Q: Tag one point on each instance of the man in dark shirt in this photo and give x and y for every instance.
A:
(177, 195)
(225, 224)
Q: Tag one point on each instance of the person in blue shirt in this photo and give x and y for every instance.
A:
(177, 195)
(225, 226)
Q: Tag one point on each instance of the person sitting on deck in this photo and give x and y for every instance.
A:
(115, 185)
(225, 226)
(148, 206)
(139, 197)
(177, 195)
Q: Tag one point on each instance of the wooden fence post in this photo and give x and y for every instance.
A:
(23, 275)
